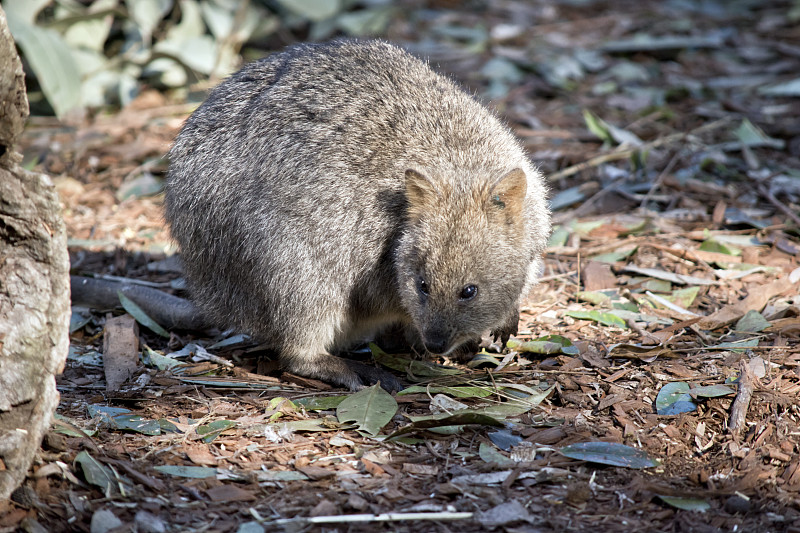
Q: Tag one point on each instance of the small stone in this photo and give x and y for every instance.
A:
(737, 504)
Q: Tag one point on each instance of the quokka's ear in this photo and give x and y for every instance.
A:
(421, 194)
(508, 194)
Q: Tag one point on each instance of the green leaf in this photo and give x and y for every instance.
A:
(121, 418)
(489, 454)
(213, 429)
(51, 60)
(607, 319)
(195, 472)
(161, 362)
(752, 322)
(609, 133)
(751, 135)
(24, 10)
(613, 257)
(145, 184)
(548, 345)
(364, 23)
(593, 297)
(558, 237)
(370, 408)
(415, 369)
(197, 53)
(136, 424)
(141, 317)
(504, 439)
(84, 355)
(314, 10)
(657, 285)
(679, 279)
(536, 397)
(192, 22)
(597, 126)
(448, 420)
(712, 245)
(320, 403)
(483, 359)
(456, 392)
(626, 307)
(609, 453)
(683, 297)
(674, 398)
(236, 340)
(586, 227)
(686, 504)
(97, 473)
(735, 346)
(739, 240)
(90, 29)
(167, 425)
(147, 14)
(563, 199)
(497, 411)
(789, 88)
(80, 317)
(711, 391)
(106, 413)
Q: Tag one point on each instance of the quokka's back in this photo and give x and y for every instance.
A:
(325, 192)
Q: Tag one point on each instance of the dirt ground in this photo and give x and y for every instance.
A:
(670, 133)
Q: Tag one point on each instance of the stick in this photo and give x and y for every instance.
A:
(777, 203)
(742, 401)
(624, 154)
(386, 517)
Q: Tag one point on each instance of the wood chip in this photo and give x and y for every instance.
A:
(120, 350)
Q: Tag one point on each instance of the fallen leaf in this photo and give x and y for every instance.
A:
(674, 398)
(756, 301)
(686, 504)
(609, 453)
(370, 408)
(230, 493)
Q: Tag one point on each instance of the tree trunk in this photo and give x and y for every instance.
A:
(34, 286)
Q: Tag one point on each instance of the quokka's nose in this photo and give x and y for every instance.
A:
(435, 343)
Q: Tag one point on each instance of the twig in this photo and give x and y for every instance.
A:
(685, 254)
(364, 518)
(644, 334)
(132, 281)
(742, 402)
(764, 191)
(660, 179)
(624, 154)
(557, 276)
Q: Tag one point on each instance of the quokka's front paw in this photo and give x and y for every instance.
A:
(508, 328)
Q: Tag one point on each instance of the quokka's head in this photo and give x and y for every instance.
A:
(460, 261)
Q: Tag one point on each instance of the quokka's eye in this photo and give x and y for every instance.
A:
(423, 287)
(469, 292)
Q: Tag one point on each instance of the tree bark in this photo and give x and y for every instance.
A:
(34, 286)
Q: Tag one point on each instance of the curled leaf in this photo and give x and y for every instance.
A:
(609, 453)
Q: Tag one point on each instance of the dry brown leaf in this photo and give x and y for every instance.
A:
(199, 454)
(230, 493)
(756, 301)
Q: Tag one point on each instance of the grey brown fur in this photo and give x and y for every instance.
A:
(316, 190)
